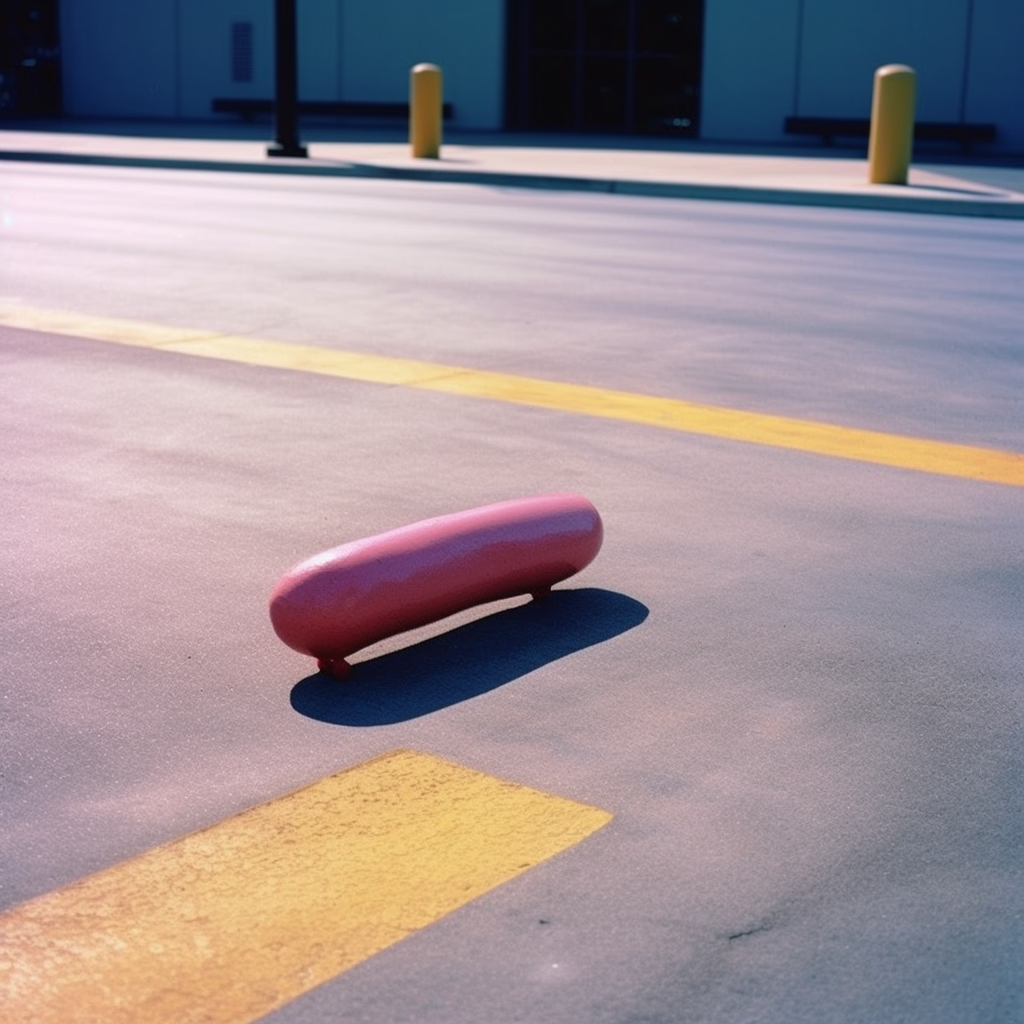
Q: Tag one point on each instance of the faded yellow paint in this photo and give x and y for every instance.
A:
(923, 455)
(926, 456)
(225, 925)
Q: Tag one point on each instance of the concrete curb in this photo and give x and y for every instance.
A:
(990, 208)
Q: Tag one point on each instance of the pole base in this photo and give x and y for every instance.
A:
(280, 150)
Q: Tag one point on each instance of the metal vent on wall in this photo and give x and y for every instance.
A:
(241, 51)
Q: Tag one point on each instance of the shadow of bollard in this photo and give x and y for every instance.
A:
(468, 661)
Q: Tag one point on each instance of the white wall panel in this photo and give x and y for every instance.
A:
(118, 58)
(763, 59)
(995, 80)
(205, 62)
(844, 41)
(319, 27)
(750, 51)
(383, 39)
(205, 52)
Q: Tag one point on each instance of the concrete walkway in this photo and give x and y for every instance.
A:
(797, 176)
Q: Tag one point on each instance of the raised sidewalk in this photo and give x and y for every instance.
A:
(794, 176)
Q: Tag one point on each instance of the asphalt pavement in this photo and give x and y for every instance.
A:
(788, 688)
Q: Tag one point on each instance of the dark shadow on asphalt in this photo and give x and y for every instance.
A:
(468, 661)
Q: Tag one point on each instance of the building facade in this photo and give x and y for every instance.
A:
(720, 70)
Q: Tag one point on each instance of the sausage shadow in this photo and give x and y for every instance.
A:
(468, 661)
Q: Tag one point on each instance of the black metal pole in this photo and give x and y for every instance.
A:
(286, 121)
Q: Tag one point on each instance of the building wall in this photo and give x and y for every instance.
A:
(169, 58)
(203, 58)
(751, 52)
(383, 39)
(763, 59)
(767, 59)
(843, 43)
(204, 54)
(119, 58)
(995, 81)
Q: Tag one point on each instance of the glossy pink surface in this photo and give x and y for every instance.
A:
(344, 599)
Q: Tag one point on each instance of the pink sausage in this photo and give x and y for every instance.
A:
(347, 598)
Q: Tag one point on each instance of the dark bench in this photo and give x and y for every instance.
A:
(829, 128)
(249, 109)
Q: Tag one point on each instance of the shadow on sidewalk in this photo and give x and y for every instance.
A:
(468, 661)
(357, 132)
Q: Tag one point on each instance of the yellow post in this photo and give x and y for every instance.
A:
(425, 111)
(892, 125)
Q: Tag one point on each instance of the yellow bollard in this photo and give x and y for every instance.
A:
(892, 125)
(425, 111)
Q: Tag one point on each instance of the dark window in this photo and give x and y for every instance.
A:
(30, 84)
(552, 25)
(241, 51)
(550, 100)
(628, 66)
(606, 25)
(604, 93)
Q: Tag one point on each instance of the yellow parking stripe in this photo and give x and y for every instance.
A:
(226, 925)
(896, 450)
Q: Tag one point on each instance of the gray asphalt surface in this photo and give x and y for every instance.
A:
(795, 681)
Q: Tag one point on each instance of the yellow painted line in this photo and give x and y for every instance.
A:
(871, 446)
(228, 924)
